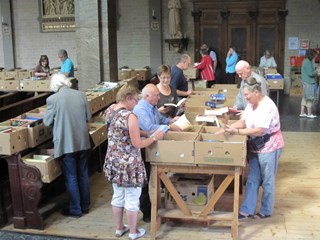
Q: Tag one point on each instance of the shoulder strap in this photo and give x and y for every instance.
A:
(112, 116)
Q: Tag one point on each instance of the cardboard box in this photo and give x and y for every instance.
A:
(270, 71)
(276, 84)
(221, 149)
(13, 140)
(191, 73)
(175, 147)
(195, 191)
(141, 74)
(98, 100)
(27, 85)
(37, 132)
(44, 160)
(11, 74)
(98, 133)
(43, 86)
(209, 129)
(9, 84)
(198, 85)
(296, 91)
(23, 74)
(124, 74)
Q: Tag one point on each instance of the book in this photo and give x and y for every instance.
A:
(180, 103)
(176, 109)
(206, 118)
(216, 111)
(183, 123)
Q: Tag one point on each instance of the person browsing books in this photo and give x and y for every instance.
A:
(150, 119)
(178, 80)
(168, 94)
(124, 166)
(205, 67)
(260, 121)
(42, 70)
(244, 71)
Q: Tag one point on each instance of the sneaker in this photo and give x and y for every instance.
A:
(120, 233)
(303, 115)
(133, 236)
(261, 216)
(311, 116)
(243, 216)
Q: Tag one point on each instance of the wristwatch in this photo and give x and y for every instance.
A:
(154, 138)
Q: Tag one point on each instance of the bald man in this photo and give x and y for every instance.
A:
(150, 119)
(244, 71)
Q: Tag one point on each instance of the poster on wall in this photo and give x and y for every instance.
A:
(57, 16)
(293, 43)
(304, 44)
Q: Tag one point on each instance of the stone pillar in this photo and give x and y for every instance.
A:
(6, 32)
(97, 56)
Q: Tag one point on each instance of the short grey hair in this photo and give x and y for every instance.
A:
(58, 81)
(63, 52)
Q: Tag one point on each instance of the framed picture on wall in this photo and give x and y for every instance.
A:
(57, 15)
(304, 44)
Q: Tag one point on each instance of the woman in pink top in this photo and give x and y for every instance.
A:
(259, 121)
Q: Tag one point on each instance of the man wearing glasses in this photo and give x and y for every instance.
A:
(244, 71)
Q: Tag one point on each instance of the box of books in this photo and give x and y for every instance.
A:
(191, 73)
(37, 131)
(98, 133)
(44, 160)
(221, 149)
(43, 85)
(9, 84)
(175, 147)
(13, 139)
(276, 84)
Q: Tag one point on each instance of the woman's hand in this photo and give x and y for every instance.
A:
(159, 135)
(231, 130)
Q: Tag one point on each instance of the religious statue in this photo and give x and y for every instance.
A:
(174, 19)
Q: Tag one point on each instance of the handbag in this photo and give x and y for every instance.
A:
(257, 143)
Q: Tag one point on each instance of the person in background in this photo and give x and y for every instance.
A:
(244, 71)
(67, 67)
(167, 93)
(260, 119)
(205, 67)
(42, 70)
(214, 58)
(308, 74)
(267, 61)
(151, 119)
(123, 165)
(231, 61)
(68, 112)
(178, 80)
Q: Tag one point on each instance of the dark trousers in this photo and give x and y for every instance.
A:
(145, 204)
(231, 78)
(75, 171)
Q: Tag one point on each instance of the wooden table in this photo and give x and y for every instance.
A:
(158, 173)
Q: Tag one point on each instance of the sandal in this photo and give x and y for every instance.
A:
(124, 230)
(139, 234)
(261, 216)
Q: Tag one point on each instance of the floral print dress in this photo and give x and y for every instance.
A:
(123, 163)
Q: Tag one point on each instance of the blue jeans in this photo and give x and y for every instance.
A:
(262, 171)
(75, 171)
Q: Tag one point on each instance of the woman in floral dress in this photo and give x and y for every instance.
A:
(123, 164)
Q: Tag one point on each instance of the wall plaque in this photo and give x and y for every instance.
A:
(57, 16)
